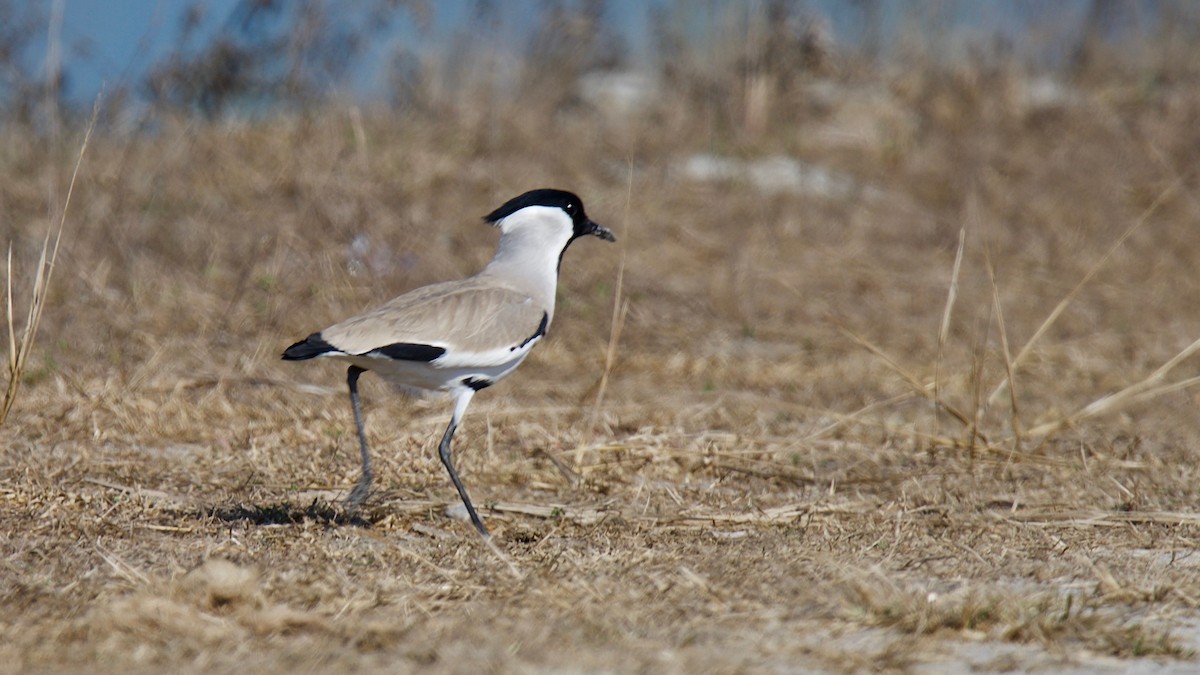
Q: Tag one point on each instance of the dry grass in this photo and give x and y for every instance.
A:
(1007, 614)
(19, 350)
(698, 473)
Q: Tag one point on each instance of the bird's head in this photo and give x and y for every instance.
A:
(558, 211)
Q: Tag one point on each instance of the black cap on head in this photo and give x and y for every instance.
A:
(569, 202)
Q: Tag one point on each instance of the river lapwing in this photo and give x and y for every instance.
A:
(462, 336)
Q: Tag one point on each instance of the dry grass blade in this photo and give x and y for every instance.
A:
(620, 310)
(944, 331)
(18, 352)
(505, 558)
(582, 515)
(1006, 455)
(976, 381)
(1014, 410)
(122, 568)
(1095, 518)
(1135, 391)
(12, 336)
(1155, 392)
(1070, 296)
(908, 377)
(844, 419)
(620, 307)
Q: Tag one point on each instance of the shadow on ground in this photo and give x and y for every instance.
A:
(286, 513)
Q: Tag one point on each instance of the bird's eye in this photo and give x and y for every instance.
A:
(571, 208)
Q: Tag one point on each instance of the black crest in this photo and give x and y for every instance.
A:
(567, 201)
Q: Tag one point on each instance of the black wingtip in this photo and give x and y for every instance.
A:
(308, 348)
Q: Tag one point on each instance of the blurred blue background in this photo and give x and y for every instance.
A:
(128, 46)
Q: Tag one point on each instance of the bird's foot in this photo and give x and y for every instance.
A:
(357, 496)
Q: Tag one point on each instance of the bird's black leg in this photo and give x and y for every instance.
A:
(460, 407)
(359, 493)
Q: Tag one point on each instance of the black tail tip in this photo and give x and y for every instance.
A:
(308, 348)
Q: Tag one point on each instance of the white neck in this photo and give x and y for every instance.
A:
(531, 245)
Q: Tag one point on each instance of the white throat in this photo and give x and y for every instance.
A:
(531, 245)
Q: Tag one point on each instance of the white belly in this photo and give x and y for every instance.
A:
(430, 375)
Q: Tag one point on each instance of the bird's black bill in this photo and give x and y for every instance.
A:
(597, 230)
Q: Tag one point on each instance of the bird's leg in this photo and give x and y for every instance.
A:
(359, 493)
(460, 407)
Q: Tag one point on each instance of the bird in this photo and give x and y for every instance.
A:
(461, 336)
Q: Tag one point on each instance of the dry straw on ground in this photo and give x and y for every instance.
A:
(707, 467)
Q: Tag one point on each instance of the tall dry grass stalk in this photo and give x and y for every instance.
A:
(1149, 211)
(19, 350)
(1142, 390)
(910, 378)
(1147, 388)
(944, 331)
(1002, 328)
(620, 310)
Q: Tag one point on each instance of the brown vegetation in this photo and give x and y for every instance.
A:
(808, 453)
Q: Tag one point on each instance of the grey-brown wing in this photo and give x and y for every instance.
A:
(473, 322)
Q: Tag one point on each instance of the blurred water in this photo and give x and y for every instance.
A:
(117, 41)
